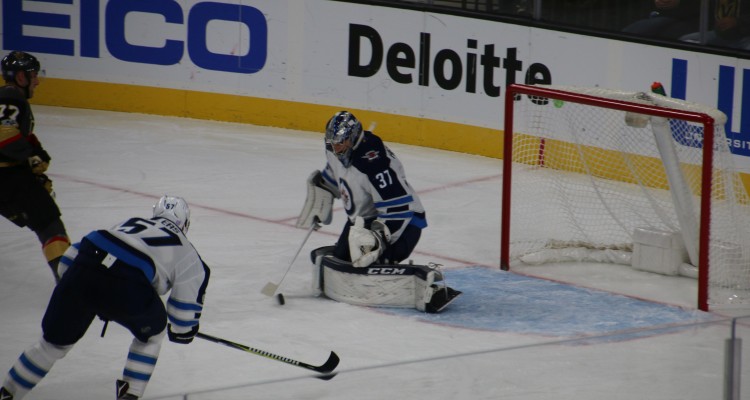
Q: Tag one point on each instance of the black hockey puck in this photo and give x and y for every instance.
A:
(280, 298)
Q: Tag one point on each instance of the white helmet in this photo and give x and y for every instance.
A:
(174, 209)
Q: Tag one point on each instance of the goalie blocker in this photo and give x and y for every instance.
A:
(380, 285)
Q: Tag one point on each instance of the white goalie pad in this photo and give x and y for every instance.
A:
(318, 206)
(399, 285)
(365, 246)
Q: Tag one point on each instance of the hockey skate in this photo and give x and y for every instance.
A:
(5, 394)
(441, 298)
(121, 388)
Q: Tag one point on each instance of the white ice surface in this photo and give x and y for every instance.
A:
(245, 185)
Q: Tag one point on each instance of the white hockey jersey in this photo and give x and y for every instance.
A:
(375, 186)
(166, 257)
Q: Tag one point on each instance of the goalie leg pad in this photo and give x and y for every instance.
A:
(383, 285)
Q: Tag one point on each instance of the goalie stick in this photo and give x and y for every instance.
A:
(270, 288)
(326, 368)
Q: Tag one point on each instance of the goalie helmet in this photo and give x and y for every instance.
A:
(18, 61)
(174, 209)
(343, 134)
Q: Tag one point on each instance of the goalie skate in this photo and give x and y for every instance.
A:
(442, 297)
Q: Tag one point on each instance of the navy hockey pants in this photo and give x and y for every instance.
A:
(88, 289)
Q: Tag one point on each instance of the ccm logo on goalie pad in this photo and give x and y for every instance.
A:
(387, 271)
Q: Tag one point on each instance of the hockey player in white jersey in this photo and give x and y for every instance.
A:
(119, 274)
(385, 214)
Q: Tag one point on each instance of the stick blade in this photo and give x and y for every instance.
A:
(330, 365)
(270, 289)
(327, 377)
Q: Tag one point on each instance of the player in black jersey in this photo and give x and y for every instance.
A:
(26, 196)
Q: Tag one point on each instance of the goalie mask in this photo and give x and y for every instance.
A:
(343, 134)
(174, 209)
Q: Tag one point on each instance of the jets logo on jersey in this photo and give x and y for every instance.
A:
(371, 155)
(346, 196)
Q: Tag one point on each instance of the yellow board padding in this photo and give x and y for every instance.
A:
(611, 164)
(395, 128)
(265, 112)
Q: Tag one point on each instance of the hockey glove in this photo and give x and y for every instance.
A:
(318, 206)
(365, 246)
(182, 337)
(38, 166)
(45, 181)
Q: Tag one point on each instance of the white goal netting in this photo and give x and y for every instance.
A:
(587, 175)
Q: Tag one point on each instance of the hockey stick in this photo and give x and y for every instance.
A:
(326, 368)
(270, 288)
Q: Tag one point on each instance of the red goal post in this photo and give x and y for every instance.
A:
(592, 174)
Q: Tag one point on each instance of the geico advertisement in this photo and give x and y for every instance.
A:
(212, 46)
(402, 62)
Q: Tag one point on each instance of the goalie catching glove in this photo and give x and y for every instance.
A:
(318, 206)
(365, 245)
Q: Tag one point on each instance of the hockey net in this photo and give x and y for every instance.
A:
(600, 175)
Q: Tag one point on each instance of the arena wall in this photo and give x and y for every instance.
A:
(427, 79)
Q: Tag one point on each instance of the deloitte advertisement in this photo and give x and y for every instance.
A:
(413, 70)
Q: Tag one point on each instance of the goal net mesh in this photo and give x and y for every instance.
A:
(586, 176)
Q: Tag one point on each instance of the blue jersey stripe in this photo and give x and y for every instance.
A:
(65, 260)
(124, 254)
(394, 202)
(31, 366)
(418, 221)
(141, 358)
(180, 322)
(23, 382)
(403, 215)
(184, 306)
(136, 375)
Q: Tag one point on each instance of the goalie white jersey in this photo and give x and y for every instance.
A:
(375, 186)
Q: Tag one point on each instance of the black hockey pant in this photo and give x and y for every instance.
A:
(120, 293)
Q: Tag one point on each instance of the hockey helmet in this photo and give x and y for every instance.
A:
(174, 209)
(343, 129)
(18, 61)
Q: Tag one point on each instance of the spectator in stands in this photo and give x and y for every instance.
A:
(671, 19)
(731, 25)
